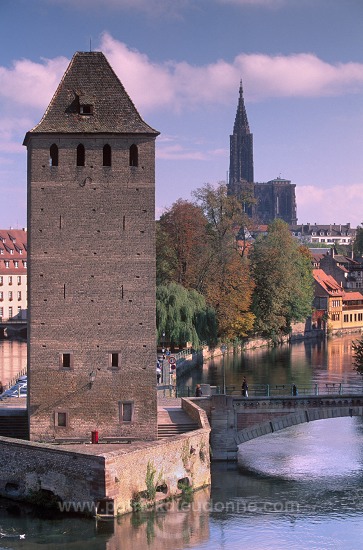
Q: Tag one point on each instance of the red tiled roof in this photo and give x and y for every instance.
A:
(13, 248)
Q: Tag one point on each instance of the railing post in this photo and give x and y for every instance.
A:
(268, 390)
(340, 389)
(316, 389)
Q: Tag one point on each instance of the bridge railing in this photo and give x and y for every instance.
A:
(271, 390)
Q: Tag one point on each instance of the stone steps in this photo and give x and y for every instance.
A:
(170, 430)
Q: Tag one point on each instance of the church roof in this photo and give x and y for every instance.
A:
(91, 99)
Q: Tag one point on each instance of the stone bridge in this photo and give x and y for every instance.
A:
(235, 420)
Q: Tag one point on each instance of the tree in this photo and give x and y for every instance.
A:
(358, 243)
(283, 281)
(358, 355)
(183, 316)
(227, 282)
(181, 245)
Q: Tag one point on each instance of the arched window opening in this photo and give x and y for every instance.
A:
(53, 155)
(107, 155)
(134, 155)
(80, 155)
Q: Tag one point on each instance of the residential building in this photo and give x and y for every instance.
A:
(335, 309)
(91, 224)
(13, 274)
(330, 235)
(345, 270)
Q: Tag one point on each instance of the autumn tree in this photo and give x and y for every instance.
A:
(283, 280)
(227, 284)
(181, 245)
(184, 316)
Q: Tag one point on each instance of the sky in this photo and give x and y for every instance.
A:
(181, 62)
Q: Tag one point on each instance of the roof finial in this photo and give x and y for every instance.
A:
(90, 44)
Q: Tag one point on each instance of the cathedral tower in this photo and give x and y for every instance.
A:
(91, 223)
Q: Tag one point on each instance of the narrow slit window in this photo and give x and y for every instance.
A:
(107, 156)
(53, 155)
(134, 155)
(80, 155)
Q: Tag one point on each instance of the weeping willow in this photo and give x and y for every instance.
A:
(183, 316)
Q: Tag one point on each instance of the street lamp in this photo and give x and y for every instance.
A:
(223, 350)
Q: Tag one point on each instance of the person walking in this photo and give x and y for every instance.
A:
(244, 387)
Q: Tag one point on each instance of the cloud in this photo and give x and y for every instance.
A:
(179, 85)
(32, 84)
(329, 204)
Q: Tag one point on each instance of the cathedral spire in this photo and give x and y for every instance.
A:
(241, 147)
(241, 121)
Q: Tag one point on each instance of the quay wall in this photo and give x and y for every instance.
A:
(107, 478)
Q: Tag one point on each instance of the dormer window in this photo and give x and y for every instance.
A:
(86, 109)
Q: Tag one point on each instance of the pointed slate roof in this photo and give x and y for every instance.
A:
(91, 99)
(241, 122)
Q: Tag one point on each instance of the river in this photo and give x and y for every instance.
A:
(300, 488)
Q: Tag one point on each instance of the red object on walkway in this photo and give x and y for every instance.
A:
(94, 437)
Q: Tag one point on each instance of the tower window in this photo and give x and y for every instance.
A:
(61, 419)
(53, 155)
(114, 360)
(66, 360)
(126, 409)
(134, 155)
(80, 155)
(107, 157)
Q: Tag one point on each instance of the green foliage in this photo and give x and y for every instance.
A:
(150, 481)
(184, 316)
(358, 355)
(284, 283)
(358, 243)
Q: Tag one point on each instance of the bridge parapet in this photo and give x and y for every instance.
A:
(236, 420)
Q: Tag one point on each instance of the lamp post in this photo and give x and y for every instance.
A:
(223, 350)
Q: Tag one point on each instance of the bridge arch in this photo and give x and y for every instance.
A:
(337, 408)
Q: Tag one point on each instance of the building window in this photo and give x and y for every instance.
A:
(10, 312)
(25, 263)
(10, 295)
(16, 264)
(1, 295)
(61, 419)
(134, 155)
(114, 360)
(1, 280)
(10, 280)
(66, 360)
(1, 312)
(126, 411)
(53, 155)
(6, 263)
(80, 155)
(18, 279)
(19, 312)
(107, 155)
(19, 295)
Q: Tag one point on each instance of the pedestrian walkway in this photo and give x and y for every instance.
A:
(172, 419)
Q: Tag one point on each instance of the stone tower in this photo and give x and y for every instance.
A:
(91, 223)
(270, 200)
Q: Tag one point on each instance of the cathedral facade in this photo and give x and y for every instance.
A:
(265, 201)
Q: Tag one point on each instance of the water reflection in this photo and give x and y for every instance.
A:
(13, 359)
(302, 363)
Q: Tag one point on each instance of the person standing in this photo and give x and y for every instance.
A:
(198, 391)
(244, 387)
